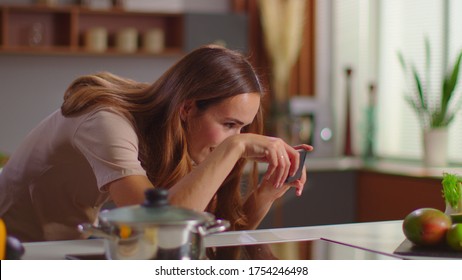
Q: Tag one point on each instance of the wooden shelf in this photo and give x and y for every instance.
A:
(38, 29)
(46, 50)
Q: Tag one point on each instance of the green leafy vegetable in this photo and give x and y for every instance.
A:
(451, 189)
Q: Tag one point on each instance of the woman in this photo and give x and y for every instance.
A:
(192, 132)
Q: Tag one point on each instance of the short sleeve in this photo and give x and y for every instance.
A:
(110, 144)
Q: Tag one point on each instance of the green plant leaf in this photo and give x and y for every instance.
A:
(419, 111)
(449, 84)
(402, 61)
(438, 119)
(434, 115)
(427, 62)
(420, 91)
(452, 114)
(450, 117)
(412, 102)
(427, 53)
(455, 72)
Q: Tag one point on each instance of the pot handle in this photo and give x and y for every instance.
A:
(214, 227)
(94, 231)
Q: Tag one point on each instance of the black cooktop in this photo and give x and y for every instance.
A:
(319, 249)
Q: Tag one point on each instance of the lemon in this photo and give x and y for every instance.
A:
(454, 237)
(2, 240)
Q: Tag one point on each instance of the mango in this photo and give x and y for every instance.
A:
(426, 226)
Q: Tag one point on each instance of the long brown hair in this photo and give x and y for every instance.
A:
(206, 76)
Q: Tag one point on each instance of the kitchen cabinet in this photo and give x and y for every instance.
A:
(39, 29)
(329, 197)
(383, 196)
(339, 191)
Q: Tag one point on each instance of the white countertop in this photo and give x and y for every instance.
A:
(382, 237)
(386, 166)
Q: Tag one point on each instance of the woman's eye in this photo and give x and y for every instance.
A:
(230, 125)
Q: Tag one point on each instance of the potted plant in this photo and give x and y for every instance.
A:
(452, 194)
(434, 115)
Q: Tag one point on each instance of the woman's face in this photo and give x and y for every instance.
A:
(207, 129)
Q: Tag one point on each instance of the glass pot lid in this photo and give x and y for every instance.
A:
(155, 210)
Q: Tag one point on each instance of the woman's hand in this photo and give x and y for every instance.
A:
(282, 159)
(260, 201)
(269, 193)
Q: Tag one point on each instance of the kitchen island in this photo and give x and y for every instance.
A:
(373, 240)
(365, 214)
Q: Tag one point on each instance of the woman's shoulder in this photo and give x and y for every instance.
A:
(106, 116)
(106, 112)
(106, 122)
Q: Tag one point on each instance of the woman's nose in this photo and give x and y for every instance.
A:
(233, 132)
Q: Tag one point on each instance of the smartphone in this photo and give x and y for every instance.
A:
(298, 174)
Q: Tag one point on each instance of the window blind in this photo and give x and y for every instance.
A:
(403, 26)
(454, 48)
(367, 35)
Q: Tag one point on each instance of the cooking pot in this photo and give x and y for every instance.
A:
(154, 230)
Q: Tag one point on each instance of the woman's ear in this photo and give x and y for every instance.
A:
(186, 109)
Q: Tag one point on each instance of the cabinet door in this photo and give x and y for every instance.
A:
(328, 198)
(391, 197)
(40, 29)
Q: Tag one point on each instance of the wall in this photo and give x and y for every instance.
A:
(32, 86)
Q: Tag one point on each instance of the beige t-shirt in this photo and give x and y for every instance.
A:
(55, 179)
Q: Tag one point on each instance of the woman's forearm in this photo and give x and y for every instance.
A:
(195, 190)
(256, 207)
(260, 201)
(255, 214)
